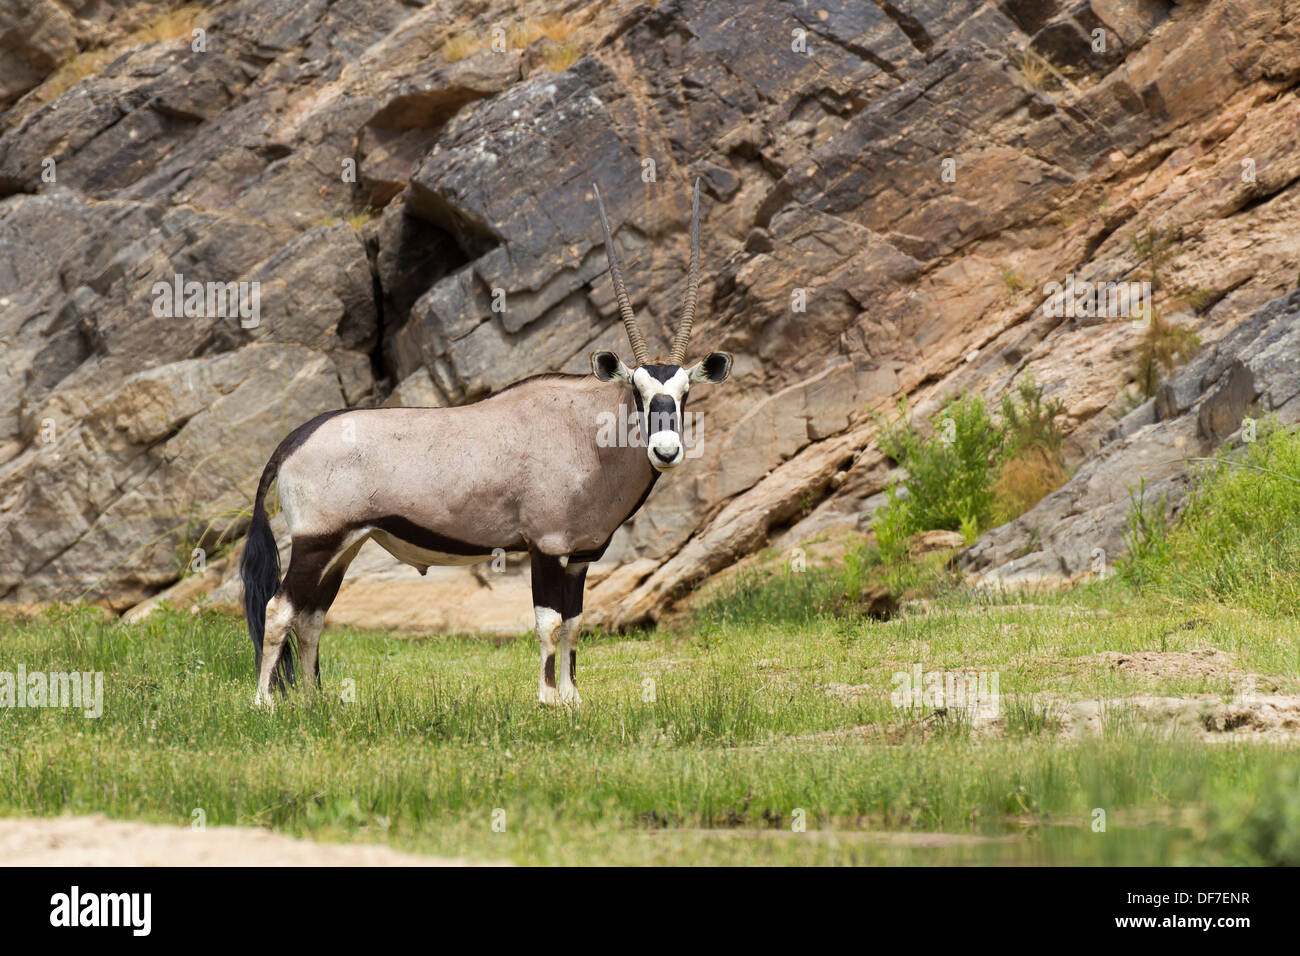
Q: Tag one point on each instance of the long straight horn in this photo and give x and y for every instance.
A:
(639, 350)
(683, 337)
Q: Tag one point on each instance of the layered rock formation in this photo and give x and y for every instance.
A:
(888, 187)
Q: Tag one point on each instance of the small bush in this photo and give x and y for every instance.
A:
(1165, 345)
(1163, 348)
(169, 24)
(971, 472)
(74, 70)
(950, 471)
(358, 219)
(893, 526)
(559, 57)
(1147, 537)
(1033, 463)
(1038, 70)
(1024, 480)
(857, 562)
(1030, 422)
(1011, 279)
(556, 29)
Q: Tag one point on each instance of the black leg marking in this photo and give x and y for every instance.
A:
(548, 582)
(323, 597)
(575, 578)
(550, 670)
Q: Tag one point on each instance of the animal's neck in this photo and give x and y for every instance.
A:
(610, 454)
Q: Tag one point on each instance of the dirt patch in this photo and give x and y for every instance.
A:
(98, 841)
(1246, 718)
(1207, 663)
(1250, 718)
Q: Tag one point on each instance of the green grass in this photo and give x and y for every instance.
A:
(1238, 538)
(749, 723)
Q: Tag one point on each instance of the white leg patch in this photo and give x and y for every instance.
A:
(548, 621)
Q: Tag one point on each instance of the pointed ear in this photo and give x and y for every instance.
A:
(608, 367)
(713, 368)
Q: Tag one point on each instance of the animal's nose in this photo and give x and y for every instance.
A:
(665, 454)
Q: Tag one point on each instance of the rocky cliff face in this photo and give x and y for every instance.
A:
(888, 189)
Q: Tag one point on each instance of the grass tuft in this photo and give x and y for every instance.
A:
(1237, 539)
(461, 45)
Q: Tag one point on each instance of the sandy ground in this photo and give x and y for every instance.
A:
(1257, 713)
(98, 841)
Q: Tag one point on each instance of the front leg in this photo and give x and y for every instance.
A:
(575, 576)
(548, 600)
(548, 623)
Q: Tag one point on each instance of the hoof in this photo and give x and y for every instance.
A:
(570, 698)
(548, 696)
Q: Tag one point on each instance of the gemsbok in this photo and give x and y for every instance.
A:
(524, 470)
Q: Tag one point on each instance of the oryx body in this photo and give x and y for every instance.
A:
(530, 469)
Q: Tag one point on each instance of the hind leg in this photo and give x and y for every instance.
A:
(307, 627)
(311, 619)
(308, 562)
(279, 618)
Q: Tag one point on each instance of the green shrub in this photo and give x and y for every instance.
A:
(893, 526)
(950, 470)
(971, 472)
(1033, 451)
(857, 563)
(1146, 537)
(1029, 422)
(1238, 537)
(1163, 348)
